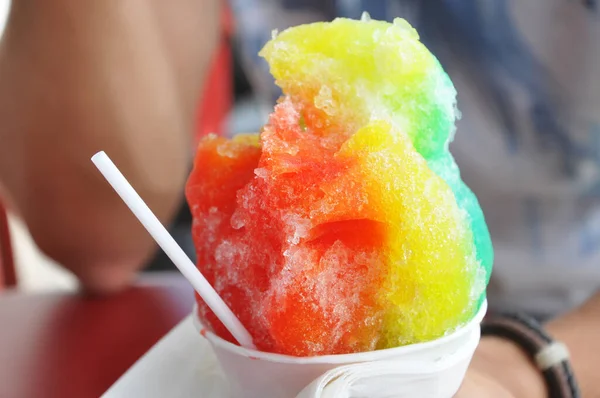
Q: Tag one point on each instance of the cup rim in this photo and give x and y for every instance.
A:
(366, 356)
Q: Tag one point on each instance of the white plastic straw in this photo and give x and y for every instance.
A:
(171, 248)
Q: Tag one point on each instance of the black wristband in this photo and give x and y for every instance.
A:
(550, 356)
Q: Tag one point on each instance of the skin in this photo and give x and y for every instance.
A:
(500, 369)
(125, 76)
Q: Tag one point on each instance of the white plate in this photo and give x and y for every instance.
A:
(181, 364)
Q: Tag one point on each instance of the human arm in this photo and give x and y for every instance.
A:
(76, 77)
(500, 367)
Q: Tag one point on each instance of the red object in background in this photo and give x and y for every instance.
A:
(69, 345)
(8, 277)
(217, 98)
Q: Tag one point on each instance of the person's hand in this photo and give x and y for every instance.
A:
(481, 384)
(76, 78)
(500, 369)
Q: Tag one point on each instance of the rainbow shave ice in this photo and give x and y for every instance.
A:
(344, 226)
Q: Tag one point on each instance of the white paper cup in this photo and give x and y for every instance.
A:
(432, 369)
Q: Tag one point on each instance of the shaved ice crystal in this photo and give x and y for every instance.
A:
(344, 226)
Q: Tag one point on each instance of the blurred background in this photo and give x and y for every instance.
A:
(35, 271)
